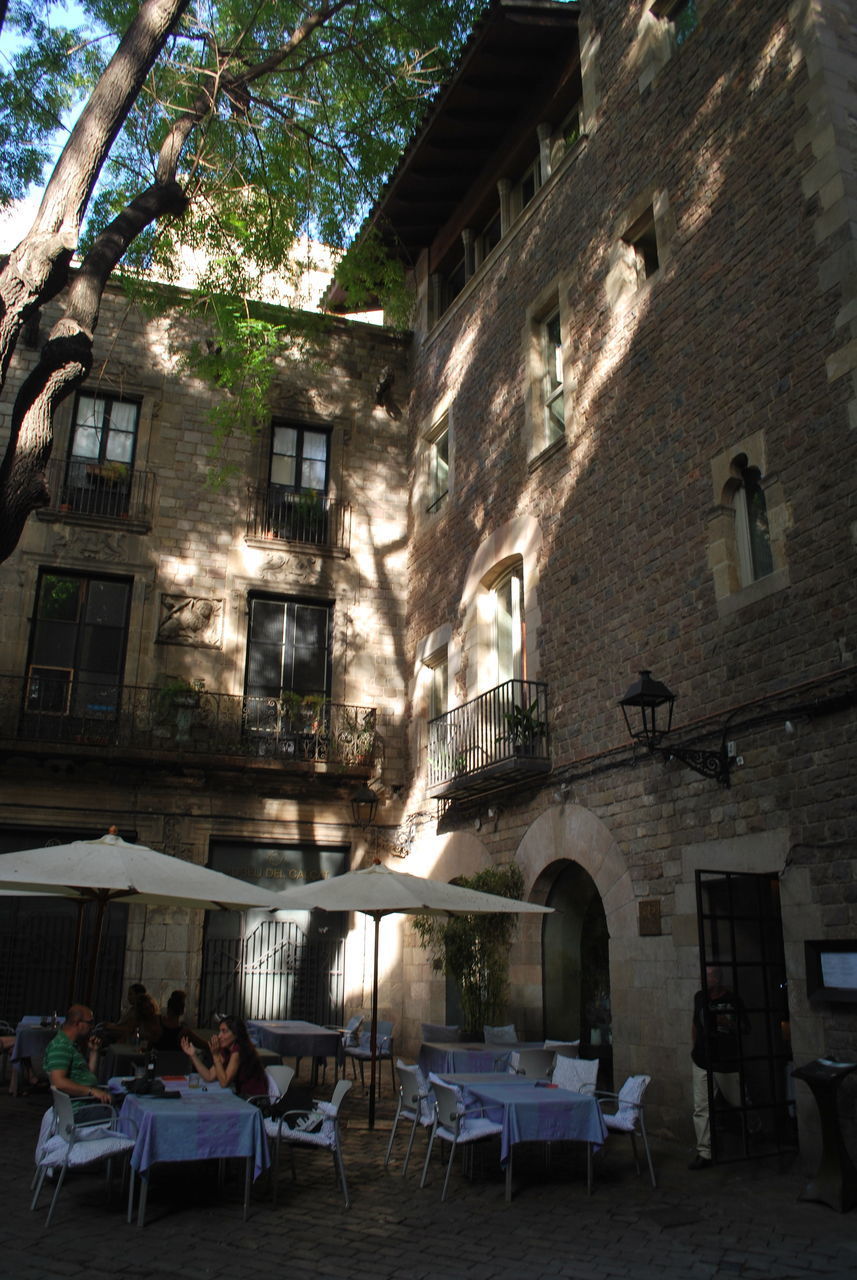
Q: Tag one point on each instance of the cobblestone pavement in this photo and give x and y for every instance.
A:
(737, 1221)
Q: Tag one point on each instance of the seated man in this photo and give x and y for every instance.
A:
(66, 1067)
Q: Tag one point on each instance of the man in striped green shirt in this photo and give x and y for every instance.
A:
(66, 1067)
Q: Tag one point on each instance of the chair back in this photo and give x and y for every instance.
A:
(501, 1035)
(339, 1092)
(579, 1075)
(564, 1048)
(352, 1026)
(449, 1104)
(384, 1039)
(279, 1079)
(414, 1090)
(630, 1097)
(532, 1062)
(64, 1113)
(436, 1031)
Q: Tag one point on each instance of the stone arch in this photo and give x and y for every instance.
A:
(567, 834)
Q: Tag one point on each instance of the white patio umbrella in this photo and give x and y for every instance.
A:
(112, 870)
(377, 891)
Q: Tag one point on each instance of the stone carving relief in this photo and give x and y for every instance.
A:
(194, 620)
(296, 568)
(90, 546)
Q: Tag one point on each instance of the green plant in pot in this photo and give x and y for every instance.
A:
(523, 727)
(473, 950)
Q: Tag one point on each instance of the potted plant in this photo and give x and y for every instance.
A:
(523, 728)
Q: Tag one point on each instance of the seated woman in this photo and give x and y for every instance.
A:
(235, 1062)
(140, 1021)
(173, 1029)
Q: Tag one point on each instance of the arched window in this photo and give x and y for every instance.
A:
(752, 531)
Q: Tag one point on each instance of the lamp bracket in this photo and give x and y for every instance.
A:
(711, 764)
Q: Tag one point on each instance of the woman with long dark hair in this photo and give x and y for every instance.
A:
(235, 1062)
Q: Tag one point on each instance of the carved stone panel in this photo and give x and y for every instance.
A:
(193, 620)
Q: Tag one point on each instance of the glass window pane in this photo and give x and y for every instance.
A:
(285, 441)
(88, 426)
(313, 475)
(59, 597)
(120, 447)
(283, 471)
(315, 445)
(107, 603)
(266, 621)
(123, 416)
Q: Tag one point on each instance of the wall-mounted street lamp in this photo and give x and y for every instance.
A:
(364, 806)
(648, 711)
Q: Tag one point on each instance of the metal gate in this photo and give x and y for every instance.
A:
(37, 941)
(278, 970)
(740, 932)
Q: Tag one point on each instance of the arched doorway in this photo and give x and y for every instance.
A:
(576, 964)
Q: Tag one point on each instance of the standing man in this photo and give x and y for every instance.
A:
(66, 1066)
(718, 1022)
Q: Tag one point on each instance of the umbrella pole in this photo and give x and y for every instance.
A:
(95, 947)
(374, 1032)
(78, 938)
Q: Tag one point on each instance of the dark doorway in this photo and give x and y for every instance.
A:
(576, 968)
(741, 934)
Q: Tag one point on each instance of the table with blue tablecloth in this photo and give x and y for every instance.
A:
(31, 1040)
(201, 1124)
(442, 1057)
(530, 1111)
(296, 1039)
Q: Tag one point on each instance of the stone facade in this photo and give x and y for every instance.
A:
(736, 341)
(692, 228)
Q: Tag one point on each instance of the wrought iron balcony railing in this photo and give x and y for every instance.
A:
(53, 706)
(310, 517)
(493, 741)
(106, 490)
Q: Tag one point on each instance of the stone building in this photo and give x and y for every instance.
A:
(630, 228)
(214, 669)
(628, 446)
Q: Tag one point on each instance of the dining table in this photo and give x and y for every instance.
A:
(296, 1039)
(444, 1056)
(533, 1111)
(199, 1122)
(33, 1034)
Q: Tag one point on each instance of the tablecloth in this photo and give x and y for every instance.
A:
(530, 1113)
(295, 1039)
(199, 1125)
(444, 1057)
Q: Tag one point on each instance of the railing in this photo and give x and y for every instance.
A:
(496, 739)
(286, 516)
(51, 706)
(112, 491)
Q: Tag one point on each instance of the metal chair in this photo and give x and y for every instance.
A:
(415, 1104)
(579, 1075)
(317, 1126)
(362, 1052)
(501, 1035)
(455, 1124)
(532, 1062)
(76, 1143)
(629, 1116)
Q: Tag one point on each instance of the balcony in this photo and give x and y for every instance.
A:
(282, 515)
(93, 491)
(50, 712)
(497, 740)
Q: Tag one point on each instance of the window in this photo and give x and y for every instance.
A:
(438, 689)
(489, 237)
(682, 15)
(508, 626)
(438, 465)
(288, 649)
(752, 530)
(299, 458)
(77, 645)
(526, 187)
(554, 408)
(642, 238)
(101, 458)
(296, 506)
